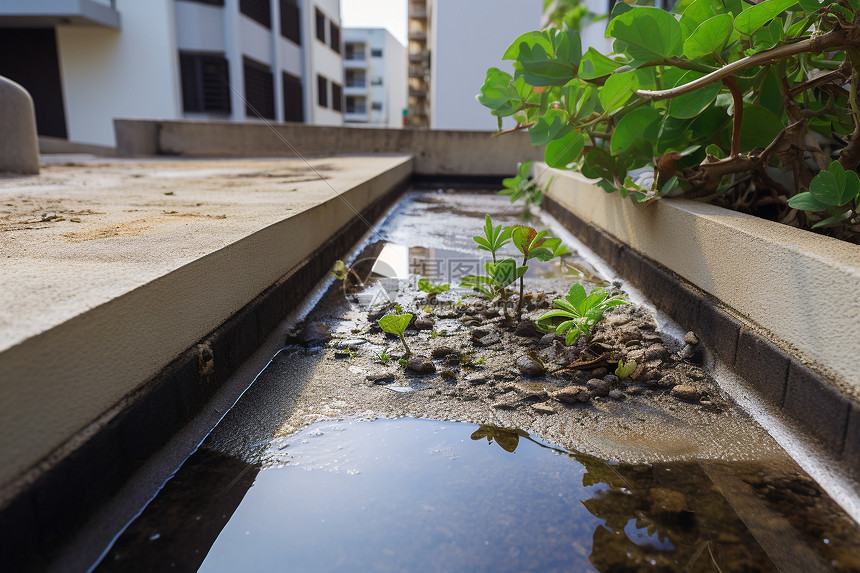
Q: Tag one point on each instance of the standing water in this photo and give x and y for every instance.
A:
(338, 460)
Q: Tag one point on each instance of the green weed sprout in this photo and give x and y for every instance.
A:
(522, 186)
(383, 356)
(577, 313)
(499, 276)
(494, 237)
(426, 286)
(534, 245)
(396, 324)
(625, 369)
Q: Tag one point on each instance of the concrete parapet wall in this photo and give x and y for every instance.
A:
(436, 152)
(59, 378)
(19, 148)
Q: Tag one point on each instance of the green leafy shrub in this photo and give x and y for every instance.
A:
(499, 276)
(735, 103)
(521, 186)
(577, 313)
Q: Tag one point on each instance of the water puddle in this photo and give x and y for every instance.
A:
(412, 494)
(336, 459)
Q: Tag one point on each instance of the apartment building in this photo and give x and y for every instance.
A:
(86, 62)
(375, 74)
(451, 45)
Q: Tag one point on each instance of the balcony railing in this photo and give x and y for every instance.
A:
(356, 109)
(354, 56)
(356, 83)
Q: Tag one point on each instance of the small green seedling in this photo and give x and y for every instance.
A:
(396, 324)
(625, 369)
(426, 286)
(577, 313)
(435, 333)
(534, 245)
(383, 356)
(351, 353)
(343, 273)
(499, 276)
(522, 186)
(403, 362)
(494, 237)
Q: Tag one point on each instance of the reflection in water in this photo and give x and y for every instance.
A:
(409, 494)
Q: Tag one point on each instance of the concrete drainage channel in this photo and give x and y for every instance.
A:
(641, 491)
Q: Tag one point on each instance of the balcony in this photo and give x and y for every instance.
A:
(417, 11)
(59, 12)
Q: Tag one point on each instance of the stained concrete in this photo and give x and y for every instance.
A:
(796, 288)
(109, 269)
(19, 148)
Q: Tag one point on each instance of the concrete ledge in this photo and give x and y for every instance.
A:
(774, 303)
(436, 152)
(57, 494)
(55, 145)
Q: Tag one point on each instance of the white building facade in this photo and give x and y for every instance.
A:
(465, 39)
(375, 76)
(90, 61)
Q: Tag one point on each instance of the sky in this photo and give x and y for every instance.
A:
(390, 14)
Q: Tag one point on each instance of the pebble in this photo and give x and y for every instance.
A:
(442, 351)
(616, 394)
(690, 338)
(490, 313)
(531, 391)
(611, 378)
(316, 334)
(380, 378)
(424, 324)
(477, 381)
(571, 395)
(685, 392)
(543, 408)
(351, 344)
(598, 386)
(527, 328)
(547, 339)
(488, 340)
(448, 375)
(528, 366)
(478, 333)
(599, 372)
(421, 365)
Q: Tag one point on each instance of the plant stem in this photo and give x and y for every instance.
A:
(403, 340)
(520, 301)
(838, 38)
(738, 114)
(850, 155)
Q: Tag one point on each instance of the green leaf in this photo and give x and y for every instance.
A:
(650, 33)
(549, 126)
(709, 37)
(755, 17)
(759, 128)
(638, 126)
(691, 104)
(395, 323)
(835, 186)
(834, 220)
(809, 5)
(564, 150)
(568, 47)
(539, 68)
(506, 272)
(499, 94)
(596, 65)
(625, 369)
(617, 90)
(530, 39)
(806, 202)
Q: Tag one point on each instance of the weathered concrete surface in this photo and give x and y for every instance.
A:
(796, 287)
(19, 148)
(109, 269)
(55, 145)
(436, 152)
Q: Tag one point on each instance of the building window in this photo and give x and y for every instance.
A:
(205, 83)
(257, 10)
(259, 90)
(377, 81)
(336, 96)
(376, 53)
(290, 21)
(377, 106)
(334, 37)
(210, 2)
(294, 109)
(320, 26)
(322, 91)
